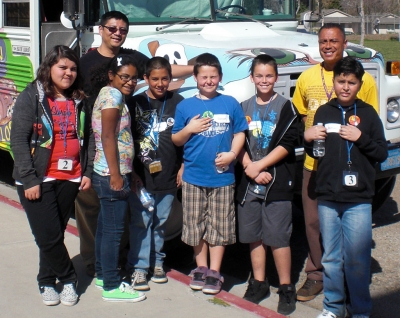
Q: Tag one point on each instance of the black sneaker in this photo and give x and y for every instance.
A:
(287, 299)
(257, 291)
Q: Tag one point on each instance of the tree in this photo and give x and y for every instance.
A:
(362, 22)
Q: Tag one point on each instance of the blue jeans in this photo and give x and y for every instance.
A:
(147, 231)
(346, 230)
(110, 226)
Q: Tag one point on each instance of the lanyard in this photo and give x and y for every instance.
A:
(328, 95)
(63, 122)
(348, 145)
(159, 121)
(262, 120)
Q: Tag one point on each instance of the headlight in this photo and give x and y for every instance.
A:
(392, 110)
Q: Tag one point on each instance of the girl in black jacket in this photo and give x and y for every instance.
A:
(49, 139)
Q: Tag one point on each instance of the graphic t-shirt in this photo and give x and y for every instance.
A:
(201, 149)
(66, 143)
(152, 127)
(262, 121)
(110, 98)
(310, 94)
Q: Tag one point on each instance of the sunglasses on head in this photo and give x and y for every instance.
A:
(113, 29)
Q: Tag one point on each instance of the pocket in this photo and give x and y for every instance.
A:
(124, 192)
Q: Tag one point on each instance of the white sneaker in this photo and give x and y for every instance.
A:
(68, 296)
(49, 295)
(326, 314)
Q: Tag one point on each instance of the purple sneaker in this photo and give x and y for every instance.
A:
(198, 276)
(213, 282)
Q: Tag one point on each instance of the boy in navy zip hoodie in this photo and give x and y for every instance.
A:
(354, 144)
(265, 188)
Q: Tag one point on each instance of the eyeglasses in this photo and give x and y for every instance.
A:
(126, 78)
(114, 29)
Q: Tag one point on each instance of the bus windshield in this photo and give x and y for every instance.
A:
(167, 11)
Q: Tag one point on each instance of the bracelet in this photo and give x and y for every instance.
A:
(233, 153)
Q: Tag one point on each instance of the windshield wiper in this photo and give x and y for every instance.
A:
(185, 19)
(249, 17)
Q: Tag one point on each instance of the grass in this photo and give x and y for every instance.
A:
(219, 302)
(389, 49)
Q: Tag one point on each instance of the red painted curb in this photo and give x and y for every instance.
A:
(182, 278)
(229, 298)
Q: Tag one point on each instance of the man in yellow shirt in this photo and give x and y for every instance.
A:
(314, 88)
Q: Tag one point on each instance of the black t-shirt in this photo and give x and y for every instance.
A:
(94, 59)
(145, 114)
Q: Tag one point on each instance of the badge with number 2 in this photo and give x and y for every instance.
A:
(65, 164)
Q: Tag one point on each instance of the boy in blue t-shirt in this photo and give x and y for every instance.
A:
(210, 127)
(354, 143)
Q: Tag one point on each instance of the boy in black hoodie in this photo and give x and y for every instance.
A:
(354, 143)
(265, 189)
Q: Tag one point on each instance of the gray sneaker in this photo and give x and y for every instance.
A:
(68, 296)
(213, 282)
(49, 295)
(198, 276)
(159, 275)
(139, 280)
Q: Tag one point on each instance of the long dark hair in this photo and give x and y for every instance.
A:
(99, 76)
(44, 76)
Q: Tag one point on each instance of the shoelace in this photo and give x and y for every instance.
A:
(158, 271)
(124, 287)
(286, 295)
(308, 284)
(139, 276)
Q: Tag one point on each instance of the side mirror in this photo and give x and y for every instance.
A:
(69, 7)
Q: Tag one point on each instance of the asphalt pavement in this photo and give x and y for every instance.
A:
(19, 294)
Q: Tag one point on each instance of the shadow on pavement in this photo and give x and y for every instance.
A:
(236, 262)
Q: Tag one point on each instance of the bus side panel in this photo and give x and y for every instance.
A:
(15, 73)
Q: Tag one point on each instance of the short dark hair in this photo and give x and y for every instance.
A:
(349, 65)
(207, 59)
(263, 59)
(99, 76)
(117, 15)
(333, 26)
(44, 76)
(157, 63)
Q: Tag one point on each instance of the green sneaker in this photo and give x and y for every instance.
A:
(124, 293)
(99, 284)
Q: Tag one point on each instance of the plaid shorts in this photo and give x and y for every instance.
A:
(208, 214)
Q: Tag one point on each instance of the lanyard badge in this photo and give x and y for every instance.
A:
(350, 177)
